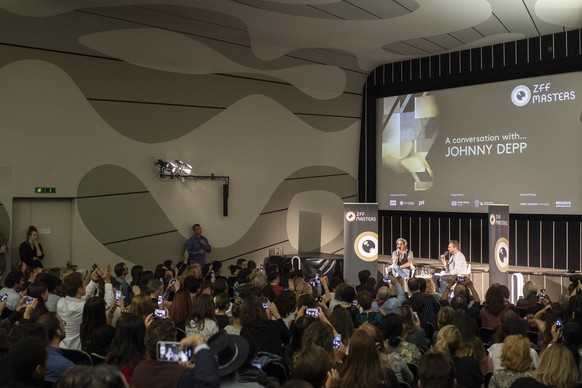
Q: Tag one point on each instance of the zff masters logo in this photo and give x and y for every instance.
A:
(366, 246)
(502, 254)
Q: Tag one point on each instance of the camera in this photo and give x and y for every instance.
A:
(312, 312)
(159, 313)
(170, 352)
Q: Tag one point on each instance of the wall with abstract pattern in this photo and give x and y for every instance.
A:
(92, 120)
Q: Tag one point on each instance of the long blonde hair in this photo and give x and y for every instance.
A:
(448, 340)
(557, 367)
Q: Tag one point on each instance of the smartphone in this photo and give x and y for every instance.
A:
(386, 279)
(159, 313)
(354, 303)
(262, 267)
(4, 297)
(28, 300)
(312, 312)
(317, 279)
(170, 352)
(160, 299)
(558, 323)
(173, 281)
(543, 292)
(460, 278)
(256, 365)
(265, 305)
(117, 296)
(337, 341)
(415, 315)
(319, 299)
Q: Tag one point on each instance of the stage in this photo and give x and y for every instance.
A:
(555, 281)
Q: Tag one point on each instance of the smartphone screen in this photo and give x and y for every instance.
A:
(170, 352)
(337, 341)
(159, 313)
(160, 299)
(4, 297)
(312, 312)
(28, 300)
(117, 296)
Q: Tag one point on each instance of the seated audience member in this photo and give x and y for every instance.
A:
(363, 277)
(389, 299)
(28, 362)
(70, 308)
(364, 299)
(393, 360)
(222, 302)
(467, 371)
(412, 331)
(54, 285)
(321, 333)
(431, 290)
(128, 346)
(231, 353)
(260, 329)
(436, 370)
(57, 363)
(530, 295)
(121, 270)
(572, 339)
(348, 297)
(100, 376)
(313, 364)
(96, 331)
(392, 332)
(511, 326)
(557, 368)
(154, 373)
(342, 322)
(236, 311)
(443, 318)
(492, 308)
(13, 284)
(275, 280)
(471, 344)
(141, 305)
(38, 291)
(515, 361)
(202, 320)
(362, 368)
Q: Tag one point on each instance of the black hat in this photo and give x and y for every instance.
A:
(231, 351)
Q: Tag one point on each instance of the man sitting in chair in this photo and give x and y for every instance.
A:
(455, 264)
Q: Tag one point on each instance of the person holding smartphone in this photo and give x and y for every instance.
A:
(158, 371)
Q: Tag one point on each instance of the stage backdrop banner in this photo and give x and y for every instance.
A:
(360, 239)
(498, 244)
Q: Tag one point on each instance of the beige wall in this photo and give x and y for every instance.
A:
(92, 127)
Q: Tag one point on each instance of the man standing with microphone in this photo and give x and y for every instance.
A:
(196, 247)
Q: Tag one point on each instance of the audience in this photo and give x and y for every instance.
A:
(268, 333)
(28, 363)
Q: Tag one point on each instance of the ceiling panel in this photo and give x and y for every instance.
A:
(426, 46)
(544, 28)
(446, 41)
(383, 9)
(404, 49)
(288, 9)
(467, 35)
(514, 15)
(346, 11)
(491, 26)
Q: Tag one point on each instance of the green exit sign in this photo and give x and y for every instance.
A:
(45, 190)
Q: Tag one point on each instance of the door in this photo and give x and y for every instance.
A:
(52, 218)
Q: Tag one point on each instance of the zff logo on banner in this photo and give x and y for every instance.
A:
(502, 254)
(350, 216)
(366, 246)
